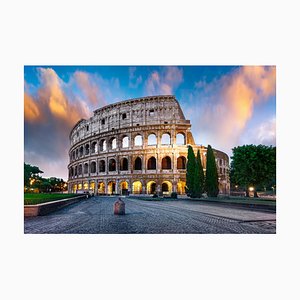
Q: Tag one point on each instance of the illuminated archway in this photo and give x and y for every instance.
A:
(151, 187)
(101, 188)
(166, 187)
(111, 187)
(124, 187)
(181, 187)
(137, 187)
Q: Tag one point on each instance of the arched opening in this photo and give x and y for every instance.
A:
(166, 187)
(151, 164)
(103, 145)
(75, 170)
(87, 149)
(125, 142)
(166, 139)
(138, 164)
(124, 164)
(151, 187)
(86, 186)
(138, 140)
(74, 188)
(113, 143)
(93, 167)
(92, 187)
(112, 165)
(102, 166)
(180, 139)
(124, 187)
(72, 172)
(80, 170)
(94, 148)
(137, 187)
(86, 168)
(166, 163)
(81, 151)
(111, 187)
(181, 187)
(76, 153)
(152, 140)
(101, 188)
(181, 163)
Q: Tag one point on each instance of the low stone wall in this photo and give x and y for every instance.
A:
(48, 207)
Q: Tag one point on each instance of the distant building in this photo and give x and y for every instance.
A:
(136, 146)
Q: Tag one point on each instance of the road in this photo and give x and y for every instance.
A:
(95, 215)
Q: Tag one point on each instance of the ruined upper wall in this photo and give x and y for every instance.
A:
(130, 113)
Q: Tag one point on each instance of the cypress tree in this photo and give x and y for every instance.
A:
(190, 171)
(211, 181)
(198, 178)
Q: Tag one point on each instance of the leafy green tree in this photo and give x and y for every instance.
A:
(190, 171)
(211, 180)
(30, 172)
(253, 165)
(198, 178)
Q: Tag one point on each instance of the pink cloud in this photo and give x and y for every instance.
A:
(164, 82)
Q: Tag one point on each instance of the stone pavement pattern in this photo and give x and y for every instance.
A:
(95, 215)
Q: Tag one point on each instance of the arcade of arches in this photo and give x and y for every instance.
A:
(137, 187)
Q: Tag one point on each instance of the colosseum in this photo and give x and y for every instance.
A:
(136, 146)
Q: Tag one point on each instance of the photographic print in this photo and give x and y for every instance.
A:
(150, 149)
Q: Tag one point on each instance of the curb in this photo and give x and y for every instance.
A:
(42, 209)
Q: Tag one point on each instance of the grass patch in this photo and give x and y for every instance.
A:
(30, 199)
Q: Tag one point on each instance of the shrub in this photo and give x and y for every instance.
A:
(174, 195)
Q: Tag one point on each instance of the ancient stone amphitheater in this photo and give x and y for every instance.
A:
(137, 146)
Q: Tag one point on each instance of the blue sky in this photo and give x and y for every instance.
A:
(227, 105)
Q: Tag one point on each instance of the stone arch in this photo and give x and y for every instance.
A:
(103, 145)
(93, 167)
(151, 164)
(102, 166)
(74, 188)
(80, 169)
(166, 138)
(152, 139)
(166, 187)
(80, 151)
(124, 164)
(85, 168)
(166, 163)
(87, 149)
(151, 187)
(111, 187)
(113, 143)
(137, 187)
(180, 138)
(181, 163)
(112, 166)
(124, 187)
(137, 164)
(181, 187)
(125, 141)
(94, 147)
(138, 140)
(101, 187)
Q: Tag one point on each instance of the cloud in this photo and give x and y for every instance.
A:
(263, 133)
(51, 113)
(134, 81)
(89, 88)
(164, 82)
(226, 105)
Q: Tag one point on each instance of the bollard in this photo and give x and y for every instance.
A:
(119, 207)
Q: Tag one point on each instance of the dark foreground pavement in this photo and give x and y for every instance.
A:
(95, 215)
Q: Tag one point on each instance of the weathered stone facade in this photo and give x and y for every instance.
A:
(135, 146)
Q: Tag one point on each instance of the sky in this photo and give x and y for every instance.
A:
(228, 105)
